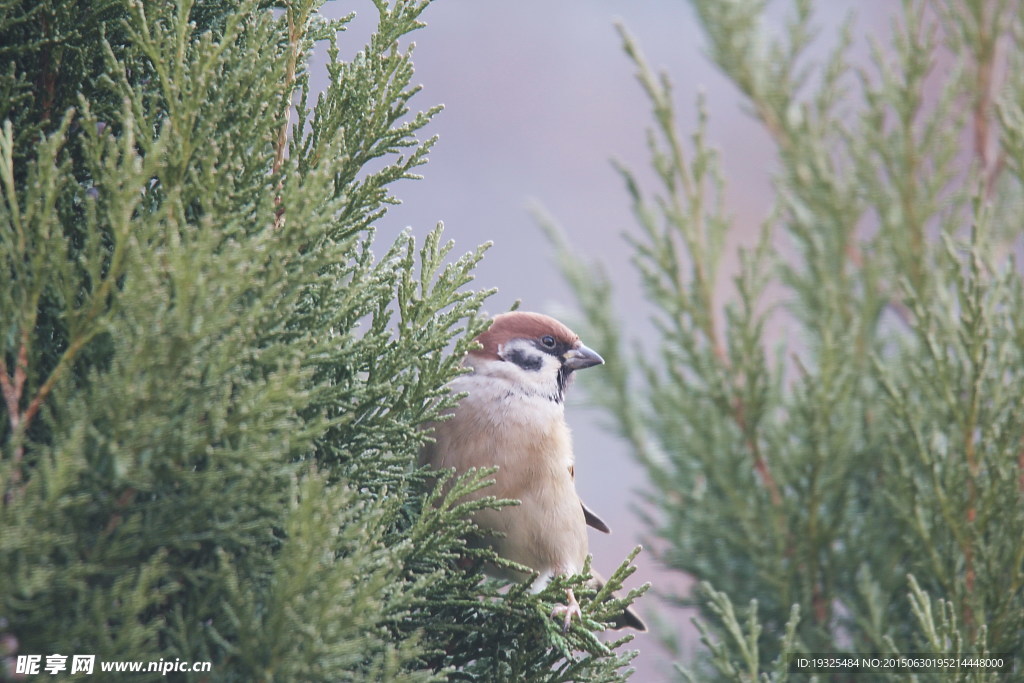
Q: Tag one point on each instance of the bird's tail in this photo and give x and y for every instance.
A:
(629, 618)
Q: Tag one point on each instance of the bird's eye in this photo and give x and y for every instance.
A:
(548, 341)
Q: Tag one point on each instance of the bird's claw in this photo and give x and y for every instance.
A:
(570, 609)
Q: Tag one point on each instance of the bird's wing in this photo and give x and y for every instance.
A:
(593, 520)
(588, 514)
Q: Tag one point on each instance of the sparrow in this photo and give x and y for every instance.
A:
(513, 416)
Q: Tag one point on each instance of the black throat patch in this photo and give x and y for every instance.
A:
(564, 378)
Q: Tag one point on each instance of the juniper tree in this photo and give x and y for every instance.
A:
(855, 484)
(215, 378)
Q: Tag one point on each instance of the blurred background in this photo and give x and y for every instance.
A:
(539, 97)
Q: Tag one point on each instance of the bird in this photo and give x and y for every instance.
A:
(512, 416)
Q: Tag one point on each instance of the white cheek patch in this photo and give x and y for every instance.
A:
(528, 370)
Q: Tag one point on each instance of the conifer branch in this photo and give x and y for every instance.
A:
(297, 29)
(983, 38)
(205, 373)
(896, 439)
(12, 385)
(48, 75)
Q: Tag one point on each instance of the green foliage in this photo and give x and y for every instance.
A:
(213, 389)
(860, 487)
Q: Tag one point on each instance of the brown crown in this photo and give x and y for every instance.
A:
(521, 325)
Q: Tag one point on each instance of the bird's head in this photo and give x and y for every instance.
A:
(534, 351)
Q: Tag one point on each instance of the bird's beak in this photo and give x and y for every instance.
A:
(581, 357)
